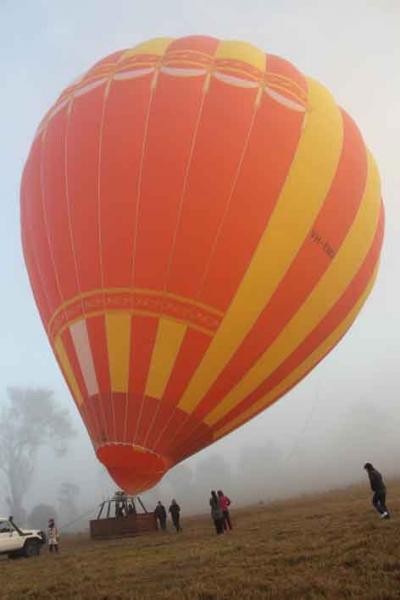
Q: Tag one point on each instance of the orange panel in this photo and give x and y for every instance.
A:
(220, 142)
(149, 411)
(31, 263)
(195, 43)
(133, 469)
(82, 175)
(35, 220)
(144, 331)
(125, 112)
(284, 69)
(174, 112)
(55, 203)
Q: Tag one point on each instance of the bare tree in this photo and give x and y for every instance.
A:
(30, 419)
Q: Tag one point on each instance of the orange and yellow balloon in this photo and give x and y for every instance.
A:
(201, 225)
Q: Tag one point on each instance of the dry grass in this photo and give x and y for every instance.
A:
(330, 547)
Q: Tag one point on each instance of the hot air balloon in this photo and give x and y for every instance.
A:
(201, 224)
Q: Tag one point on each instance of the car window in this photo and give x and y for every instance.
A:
(5, 527)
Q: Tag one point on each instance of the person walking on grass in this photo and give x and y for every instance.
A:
(225, 503)
(174, 511)
(161, 515)
(379, 489)
(216, 513)
(53, 536)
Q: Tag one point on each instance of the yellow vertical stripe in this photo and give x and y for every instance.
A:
(242, 51)
(156, 46)
(307, 184)
(326, 293)
(168, 342)
(302, 369)
(118, 331)
(67, 370)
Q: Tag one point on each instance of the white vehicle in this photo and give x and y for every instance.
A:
(19, 542)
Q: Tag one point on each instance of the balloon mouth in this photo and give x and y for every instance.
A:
(134, 469)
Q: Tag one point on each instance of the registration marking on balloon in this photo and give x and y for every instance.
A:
(323, 243)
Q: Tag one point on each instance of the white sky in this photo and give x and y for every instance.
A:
(352, 46)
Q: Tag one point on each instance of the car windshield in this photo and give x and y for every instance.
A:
(5, 527)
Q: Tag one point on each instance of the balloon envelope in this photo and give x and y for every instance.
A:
(201, 224)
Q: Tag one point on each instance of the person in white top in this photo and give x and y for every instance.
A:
(53, 536)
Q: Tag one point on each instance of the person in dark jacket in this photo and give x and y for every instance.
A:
(161, 515)
(174, 511)
(217, 514)
(379, 489)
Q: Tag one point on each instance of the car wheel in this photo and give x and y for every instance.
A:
(31, 549)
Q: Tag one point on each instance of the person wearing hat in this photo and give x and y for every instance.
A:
(379, 489)
(53, 536)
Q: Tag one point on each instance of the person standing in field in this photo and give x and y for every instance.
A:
(53, 536)
(216, 513)
(225, 503)
(379, 489)
(131, 509)
(174, 511)
(161, 515)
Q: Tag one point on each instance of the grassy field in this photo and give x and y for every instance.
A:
(331, 547)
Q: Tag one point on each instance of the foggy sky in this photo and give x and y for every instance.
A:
(351, 47)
